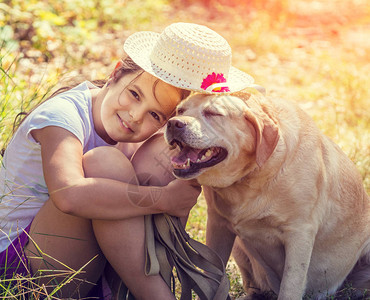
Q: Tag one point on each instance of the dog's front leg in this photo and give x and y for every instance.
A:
(218, 235)
(298, 250)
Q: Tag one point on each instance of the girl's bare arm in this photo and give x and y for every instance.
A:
(100, 198)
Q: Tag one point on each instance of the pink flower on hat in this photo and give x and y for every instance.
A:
(213, 78)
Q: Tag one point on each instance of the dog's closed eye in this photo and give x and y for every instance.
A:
(209, 113)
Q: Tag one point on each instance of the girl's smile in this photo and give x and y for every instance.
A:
(124, 124)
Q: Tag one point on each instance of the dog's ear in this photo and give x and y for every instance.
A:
(267, 134)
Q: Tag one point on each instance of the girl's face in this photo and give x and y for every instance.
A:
(136, 106)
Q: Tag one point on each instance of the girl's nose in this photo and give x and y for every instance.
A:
(136, 115)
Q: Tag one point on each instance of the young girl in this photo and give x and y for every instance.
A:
(65, 183)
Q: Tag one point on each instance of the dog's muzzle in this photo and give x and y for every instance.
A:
(196, 153)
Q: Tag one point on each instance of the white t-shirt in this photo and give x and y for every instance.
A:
(22, 186)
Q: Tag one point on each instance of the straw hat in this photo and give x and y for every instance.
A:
(188, 56)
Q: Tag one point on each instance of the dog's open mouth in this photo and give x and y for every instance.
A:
(190, 160)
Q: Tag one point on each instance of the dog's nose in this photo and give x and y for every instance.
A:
(176, 124)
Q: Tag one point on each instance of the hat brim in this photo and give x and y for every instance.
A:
(139, 46)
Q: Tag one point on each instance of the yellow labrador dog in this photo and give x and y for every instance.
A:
(278, 190)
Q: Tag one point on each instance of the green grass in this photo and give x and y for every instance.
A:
(314, 55)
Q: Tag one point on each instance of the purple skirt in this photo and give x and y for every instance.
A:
(13, 259)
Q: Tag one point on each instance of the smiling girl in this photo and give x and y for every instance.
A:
(83, 169)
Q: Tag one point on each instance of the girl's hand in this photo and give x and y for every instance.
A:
(180, 196)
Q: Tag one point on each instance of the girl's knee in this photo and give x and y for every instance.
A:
(108, 162)
(154, 153)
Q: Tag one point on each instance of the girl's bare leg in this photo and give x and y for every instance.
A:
(67, 239)
(122, 241)
(155, 154)
(75, 241)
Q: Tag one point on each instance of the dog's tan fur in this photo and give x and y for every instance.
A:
(286, 196)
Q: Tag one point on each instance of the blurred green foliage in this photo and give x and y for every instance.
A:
(47, 25)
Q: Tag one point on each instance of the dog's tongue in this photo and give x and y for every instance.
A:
(186, 153)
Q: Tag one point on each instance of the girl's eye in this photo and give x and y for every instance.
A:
(136, 95)
(155, 116)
